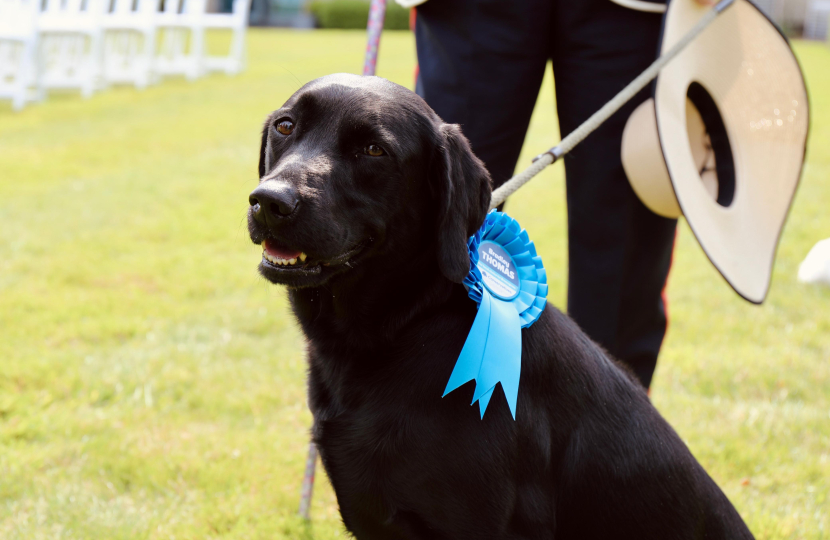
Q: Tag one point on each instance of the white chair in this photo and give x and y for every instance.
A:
(18, 51)
(817, 19)
(183, 29)
(130, 42)
(70, 45)
(182, 38)
(237, 22)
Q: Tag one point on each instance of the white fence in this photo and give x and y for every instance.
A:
(87, 45)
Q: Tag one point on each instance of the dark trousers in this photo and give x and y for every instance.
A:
(481, 66)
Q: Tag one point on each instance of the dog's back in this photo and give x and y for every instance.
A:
(625, 473)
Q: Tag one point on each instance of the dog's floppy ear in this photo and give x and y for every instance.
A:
(463, 192)
(263, 148)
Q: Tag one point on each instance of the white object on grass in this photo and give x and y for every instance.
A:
(816, 267)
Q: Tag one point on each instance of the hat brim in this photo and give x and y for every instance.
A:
(748, 68)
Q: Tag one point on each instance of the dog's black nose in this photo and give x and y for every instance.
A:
(273, 200)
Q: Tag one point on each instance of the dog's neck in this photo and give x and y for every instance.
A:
(371, 304)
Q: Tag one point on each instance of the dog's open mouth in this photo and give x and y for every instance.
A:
(279, 256)
(282, 262)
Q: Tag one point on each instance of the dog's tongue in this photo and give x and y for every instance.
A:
(280, 252)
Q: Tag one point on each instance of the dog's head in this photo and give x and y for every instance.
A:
(356, 168)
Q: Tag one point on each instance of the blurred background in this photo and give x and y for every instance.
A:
(152, 384)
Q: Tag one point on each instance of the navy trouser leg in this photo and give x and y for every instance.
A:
(482, 62)
(481, 65)
(619, 251)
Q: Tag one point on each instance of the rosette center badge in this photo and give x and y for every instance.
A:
(508, 283)
(498, 271)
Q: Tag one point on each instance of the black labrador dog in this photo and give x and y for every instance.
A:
(365, 202)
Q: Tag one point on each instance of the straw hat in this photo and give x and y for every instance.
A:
(722, 142)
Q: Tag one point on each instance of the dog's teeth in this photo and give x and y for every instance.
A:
(281, 262)
(263, 244)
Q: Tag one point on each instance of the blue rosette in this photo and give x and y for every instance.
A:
(508, 283)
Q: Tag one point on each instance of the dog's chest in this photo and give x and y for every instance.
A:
(365, 451)
(358, 422)
(398, 455)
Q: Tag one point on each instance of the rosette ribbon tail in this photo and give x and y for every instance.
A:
(492, 354)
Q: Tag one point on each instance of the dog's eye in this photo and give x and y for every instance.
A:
(285, 127)
(373, 150)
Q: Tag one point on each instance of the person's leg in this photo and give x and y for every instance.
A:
(481, 65)
(619, 251)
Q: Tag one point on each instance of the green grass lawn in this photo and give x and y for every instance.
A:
(152, 385)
